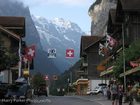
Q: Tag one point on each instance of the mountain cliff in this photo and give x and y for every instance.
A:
(58, 33)
(98, 12)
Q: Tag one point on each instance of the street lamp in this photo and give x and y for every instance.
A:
(20, 59)
(68, 84)
(123, 58)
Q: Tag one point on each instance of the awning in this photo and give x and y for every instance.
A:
(82, 81)
(108, 71)
(134, 70)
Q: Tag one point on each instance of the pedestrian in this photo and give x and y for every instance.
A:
(130, 95)
(120, 93)
(114, 93)
(108, 92)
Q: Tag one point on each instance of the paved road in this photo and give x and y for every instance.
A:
(72, 100)
(63, 100)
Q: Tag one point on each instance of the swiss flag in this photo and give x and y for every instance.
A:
(30, 52)
(69, 53)
(25, 59)
(112, 42)
(46, 77)
(134, 64)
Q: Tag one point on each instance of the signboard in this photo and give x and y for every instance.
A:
(51, 53)
(26, 72)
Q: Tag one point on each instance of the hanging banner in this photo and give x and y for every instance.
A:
(69, 53)
(30, 52)
(51, 53)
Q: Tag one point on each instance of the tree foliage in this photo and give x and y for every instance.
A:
(37, 80)
(7, 57)
(131, 53)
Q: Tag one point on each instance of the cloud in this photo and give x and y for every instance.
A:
(70, 2)
(60, 2)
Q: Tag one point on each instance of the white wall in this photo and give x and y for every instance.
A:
(93, 83)
(4, 76)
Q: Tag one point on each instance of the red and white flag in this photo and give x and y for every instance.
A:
(46, 77)
(25, 59)
(30, 52)
(111, 41)
(134, 64)
(69, 53)
(100, 52)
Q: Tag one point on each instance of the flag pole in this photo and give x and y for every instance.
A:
(20, 59)
(123, 58)
(29, 72)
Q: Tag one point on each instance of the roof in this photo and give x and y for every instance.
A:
(87, 41)
(15, 36)
(130, 5)
(112, 21)
(112, 14)
(10, 21)
(97, 39)
(14, 24)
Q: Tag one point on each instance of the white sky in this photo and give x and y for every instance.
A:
(73, 10)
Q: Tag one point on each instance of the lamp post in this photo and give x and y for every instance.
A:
(20, 59)
(68, 84)
(123, 57)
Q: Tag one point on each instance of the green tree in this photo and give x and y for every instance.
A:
(37, 80)
(7, 57)
(131, 53)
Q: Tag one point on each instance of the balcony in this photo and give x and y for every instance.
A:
(82, 72)
(84, 64)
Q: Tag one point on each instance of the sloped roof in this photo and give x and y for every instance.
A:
(14, 24)
(13, 35)
(87, 41)
(10, 21)
(112, 20)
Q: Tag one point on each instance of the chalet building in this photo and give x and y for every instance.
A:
(123, 23)
(89, 54)
(12, 29)
(128, 13)
(89, 60)
(124, 26)
(114, 29)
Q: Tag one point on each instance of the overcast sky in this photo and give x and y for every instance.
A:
(73, 10)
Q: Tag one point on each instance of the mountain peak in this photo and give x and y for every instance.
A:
(62, 23)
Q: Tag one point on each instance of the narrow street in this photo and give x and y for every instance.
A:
(69, 100)
(65, 100)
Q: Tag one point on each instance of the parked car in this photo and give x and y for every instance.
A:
(3, 89)
(42, 91)
(18, 93)
(97, 90)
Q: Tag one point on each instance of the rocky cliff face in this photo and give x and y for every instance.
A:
(99, 15)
